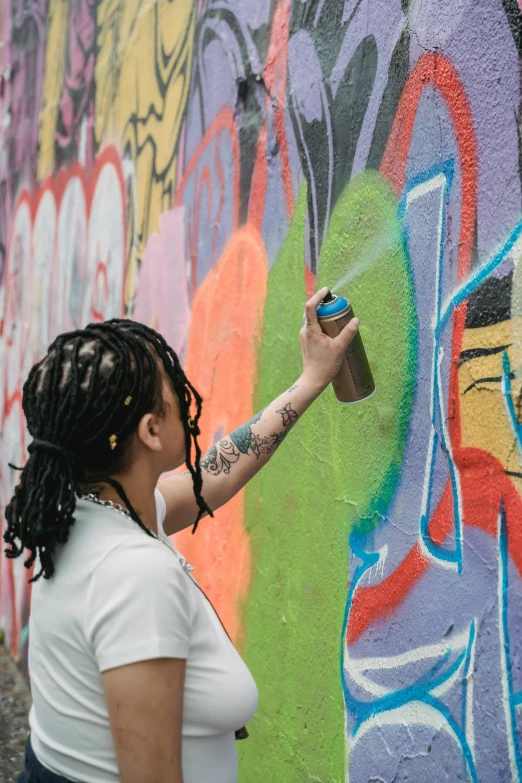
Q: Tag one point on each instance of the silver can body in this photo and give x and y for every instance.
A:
(354, 381)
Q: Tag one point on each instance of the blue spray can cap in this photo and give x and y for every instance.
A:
(331, 305)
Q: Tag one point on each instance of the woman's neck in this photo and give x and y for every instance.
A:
(138, 484)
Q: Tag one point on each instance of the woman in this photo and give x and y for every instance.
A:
(133, 677)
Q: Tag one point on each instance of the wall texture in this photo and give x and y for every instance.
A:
(201, 167)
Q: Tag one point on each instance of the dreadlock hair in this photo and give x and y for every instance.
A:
(82, 403)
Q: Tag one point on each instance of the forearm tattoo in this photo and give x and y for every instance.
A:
(244, 440)
(220, 457)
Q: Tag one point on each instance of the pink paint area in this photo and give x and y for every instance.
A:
(162, 300)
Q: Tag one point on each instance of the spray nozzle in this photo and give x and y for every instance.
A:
(328, 298)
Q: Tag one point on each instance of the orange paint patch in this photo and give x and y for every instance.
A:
(226, 330)
(310, 281)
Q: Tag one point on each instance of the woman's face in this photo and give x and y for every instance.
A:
(171, 429)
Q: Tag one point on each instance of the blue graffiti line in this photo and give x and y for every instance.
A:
(368, 560)
(443, 710)
(508, 399)
(504, 558)
(459, 733)
(425, 518)
(479, 276)
(467, 673)
(438, 406)
(447, 170)
(516, 699)
(427, 682)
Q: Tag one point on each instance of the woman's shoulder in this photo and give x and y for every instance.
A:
(138, 584)
(104, 536)
(143, 554)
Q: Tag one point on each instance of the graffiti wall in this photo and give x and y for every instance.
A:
(203, 167)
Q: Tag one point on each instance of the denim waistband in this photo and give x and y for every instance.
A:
(35, 772)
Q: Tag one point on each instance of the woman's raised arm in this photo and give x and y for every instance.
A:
(236, 458)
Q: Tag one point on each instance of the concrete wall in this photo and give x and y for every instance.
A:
(203, 167)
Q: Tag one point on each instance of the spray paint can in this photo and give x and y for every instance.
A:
(354, 381)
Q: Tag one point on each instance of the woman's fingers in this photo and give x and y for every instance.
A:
(310, 316)
(347, 333)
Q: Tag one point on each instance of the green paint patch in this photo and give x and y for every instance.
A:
(335, 472)
(365, 225)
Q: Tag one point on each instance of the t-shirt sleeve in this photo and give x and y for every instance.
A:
(138, 607)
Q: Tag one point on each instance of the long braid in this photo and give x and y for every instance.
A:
(84, 400)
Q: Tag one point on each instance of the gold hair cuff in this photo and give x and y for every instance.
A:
(113, 441)
(127, 400)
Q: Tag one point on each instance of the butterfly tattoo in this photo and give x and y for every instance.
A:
(288, 414)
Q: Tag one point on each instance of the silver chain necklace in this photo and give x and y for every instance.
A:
(122, 510)
(108, 504)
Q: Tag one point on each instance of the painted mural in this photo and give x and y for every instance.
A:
(203, 167)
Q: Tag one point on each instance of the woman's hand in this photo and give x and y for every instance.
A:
(322, 355)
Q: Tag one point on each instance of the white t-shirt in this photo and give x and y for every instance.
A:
(117, 597)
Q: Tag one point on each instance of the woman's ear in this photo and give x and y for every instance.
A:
(149, 431)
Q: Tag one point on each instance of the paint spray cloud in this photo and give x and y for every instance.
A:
(369, 254)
